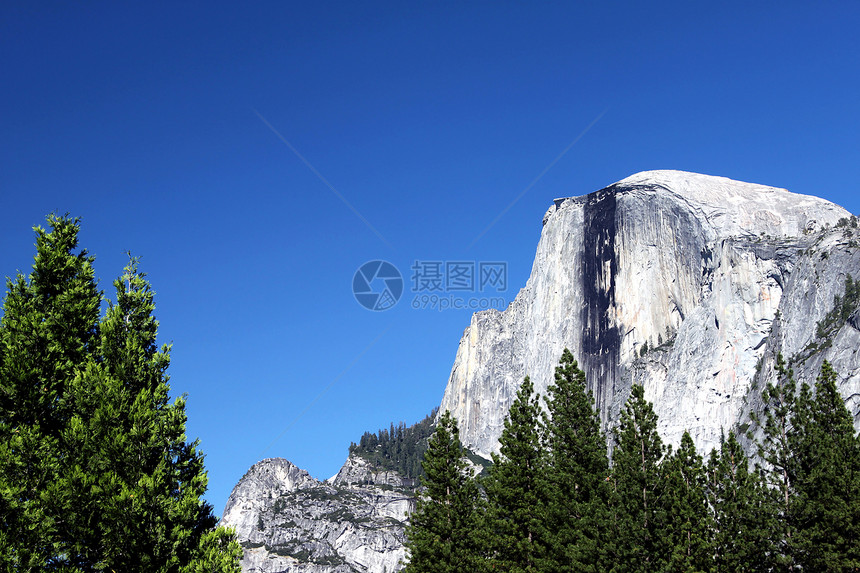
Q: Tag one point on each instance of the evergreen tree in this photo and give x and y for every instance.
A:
(638, 518)
(126, 488)
(216, 551)
(777, 461)
(515, 515)
(740, 521)
(147, 508)
(810, 459)
(577, 465)
(442, 530)
(49, 327)
(688, 521)
(826, 507)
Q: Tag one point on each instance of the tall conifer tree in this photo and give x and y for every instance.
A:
(515, 515)
(776, 461)
(638, 518)
(741, 522)
(575, 474)
(826, 472)
(48, 329)
(441, 535)
(688, 521)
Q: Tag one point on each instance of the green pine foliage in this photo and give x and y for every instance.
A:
(217, 551)
(826, 473)
(441, 536)
(399, 448)
(48, 329)
(96, 472)
(776, 462)
(638, 517)
(688, 519)
(576, 467)
(515, 519)
(741, 522)
(810, 459)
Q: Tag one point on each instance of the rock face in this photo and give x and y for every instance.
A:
(672, 280)
(357, 471)
(289, 522)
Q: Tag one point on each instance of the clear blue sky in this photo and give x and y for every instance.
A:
(156, 124)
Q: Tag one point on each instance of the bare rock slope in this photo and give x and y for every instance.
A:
(288, 522)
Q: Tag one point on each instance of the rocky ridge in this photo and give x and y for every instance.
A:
(289, 522)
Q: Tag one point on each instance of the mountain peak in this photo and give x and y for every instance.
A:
(716, 191)
(723, 206)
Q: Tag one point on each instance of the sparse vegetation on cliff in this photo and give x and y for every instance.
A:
(399, 448)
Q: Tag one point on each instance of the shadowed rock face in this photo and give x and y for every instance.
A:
(691, 267)
(601, 340)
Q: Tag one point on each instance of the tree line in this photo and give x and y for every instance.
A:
(96, 473)
(553, 501)
(399, 448)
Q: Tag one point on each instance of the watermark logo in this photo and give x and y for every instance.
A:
(377, 285)
(459, 276)
(437, 285)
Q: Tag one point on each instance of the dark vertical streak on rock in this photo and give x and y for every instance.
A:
(601, 341)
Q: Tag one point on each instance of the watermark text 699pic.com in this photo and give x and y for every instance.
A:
(442, 302)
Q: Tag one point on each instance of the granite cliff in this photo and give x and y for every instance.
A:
(688, 284)
(685, 283)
